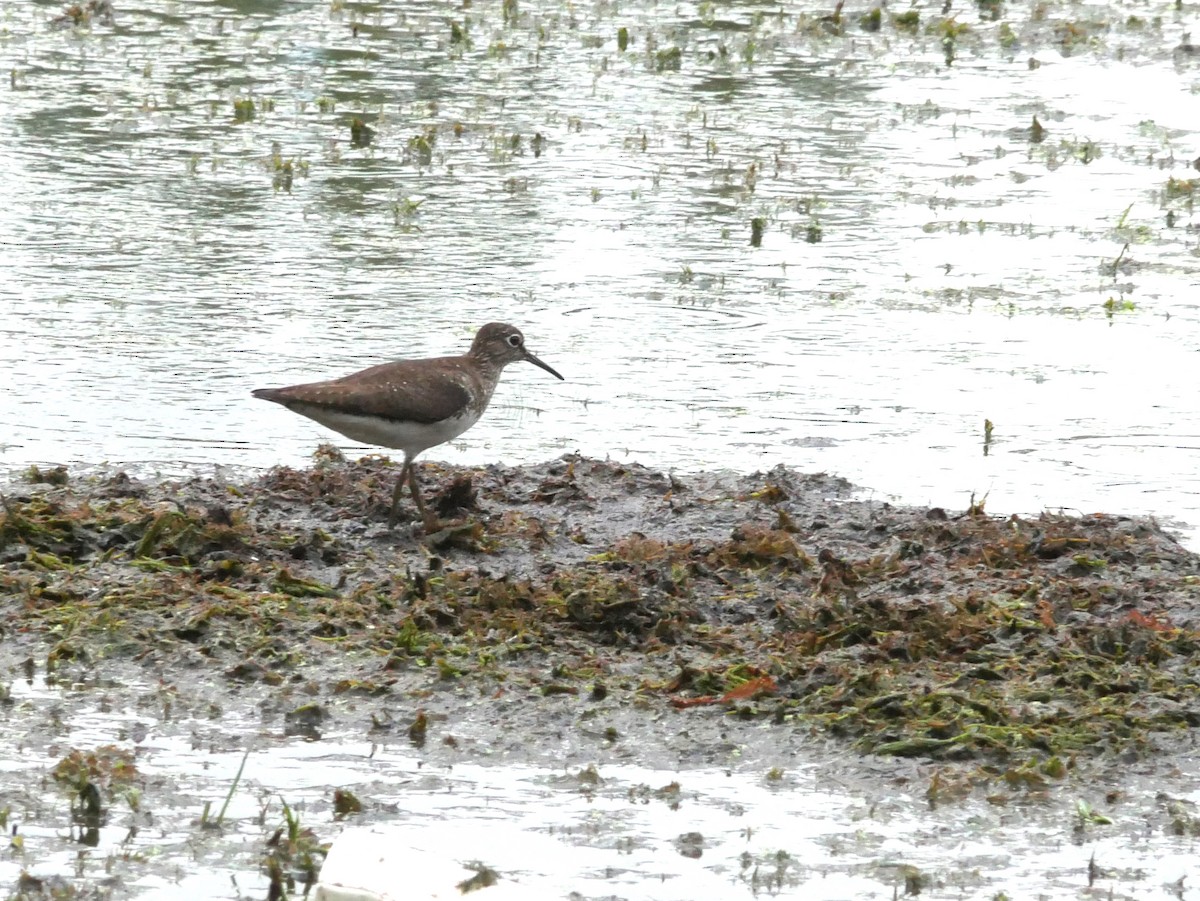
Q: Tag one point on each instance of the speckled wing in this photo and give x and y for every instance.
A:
(419, 391)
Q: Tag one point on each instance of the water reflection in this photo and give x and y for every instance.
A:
(157, 266)
(809, 825)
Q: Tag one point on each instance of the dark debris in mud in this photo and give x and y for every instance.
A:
(1021, 643)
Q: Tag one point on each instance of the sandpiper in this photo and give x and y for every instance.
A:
(412, 405)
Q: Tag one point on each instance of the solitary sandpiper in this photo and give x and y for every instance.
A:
(412, 405)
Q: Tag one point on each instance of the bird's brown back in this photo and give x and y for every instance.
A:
(421, 391)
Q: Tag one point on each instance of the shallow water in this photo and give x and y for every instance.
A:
(810, 827)
(158, 265)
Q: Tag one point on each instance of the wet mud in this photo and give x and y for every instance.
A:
(579, 612)
(597, 600)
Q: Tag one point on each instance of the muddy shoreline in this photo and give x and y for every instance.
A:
(669, 619)
(586, 614)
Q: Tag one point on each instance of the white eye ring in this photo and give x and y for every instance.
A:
(514, 340)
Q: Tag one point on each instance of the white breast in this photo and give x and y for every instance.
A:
(410, 437)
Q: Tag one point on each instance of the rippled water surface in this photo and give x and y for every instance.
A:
(184, 216)
(610, 831)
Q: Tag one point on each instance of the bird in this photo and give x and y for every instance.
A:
(412, 405)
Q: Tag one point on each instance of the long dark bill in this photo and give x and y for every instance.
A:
(536, 362)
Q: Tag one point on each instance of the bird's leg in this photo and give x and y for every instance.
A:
(430, 521)
(396, 493)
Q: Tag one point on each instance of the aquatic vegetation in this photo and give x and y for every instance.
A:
(82, 15)
(361, 134)
(244, 110)
(293, 853)
(107, 767)
(405, 210)
(345, 803)
(951, 637)
(763, 614)
(1037, 132)
(1178, 188)
(419, 148)
(757, 225)
(205, 822)
(1114, 305)
(668, 60)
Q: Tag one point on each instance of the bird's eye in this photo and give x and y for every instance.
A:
(514, 340)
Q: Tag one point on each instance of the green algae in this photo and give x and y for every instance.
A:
(1017, 642)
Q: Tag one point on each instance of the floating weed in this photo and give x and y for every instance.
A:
(949, 31)
(1177, 188)
(757, 225)
(419, 148)
(81, 15)
(107, 767)
(284, 170)
(770, 873)
(1037, 132)
(1087, 816)
(244, 110)
(361, 134)
(824, 25)
(405, 210)
(909, 20)
(990, 9)
(482, 877)
(1085, 151)
(668, 60)
(1114, 305)
(1075, 34)
(345, 803)
(950, 28)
